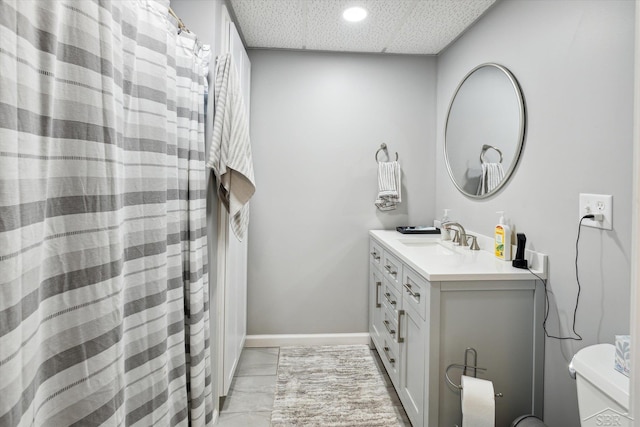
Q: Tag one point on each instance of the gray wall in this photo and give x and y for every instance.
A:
(317, 120)
(574, 62)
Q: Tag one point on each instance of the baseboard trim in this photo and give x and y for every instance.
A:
(282, 340)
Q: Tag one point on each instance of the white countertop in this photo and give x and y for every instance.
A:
(439, 260)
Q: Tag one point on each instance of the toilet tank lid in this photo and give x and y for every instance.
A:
(596, 364)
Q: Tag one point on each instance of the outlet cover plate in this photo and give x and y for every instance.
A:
(597, 203)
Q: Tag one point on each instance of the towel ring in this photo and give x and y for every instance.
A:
(486, 147)
(383, 147)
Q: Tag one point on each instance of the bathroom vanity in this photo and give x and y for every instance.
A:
(430, 301)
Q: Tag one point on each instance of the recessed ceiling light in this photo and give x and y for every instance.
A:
(354, 14)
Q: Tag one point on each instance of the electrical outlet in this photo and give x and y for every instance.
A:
(597, 204)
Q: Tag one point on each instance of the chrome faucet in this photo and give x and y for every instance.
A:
(462, 235)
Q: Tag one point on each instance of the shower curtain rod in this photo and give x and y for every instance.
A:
(181, 25)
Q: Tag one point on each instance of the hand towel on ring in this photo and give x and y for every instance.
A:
(389, 186)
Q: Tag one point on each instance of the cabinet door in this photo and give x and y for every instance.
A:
(502, 332)
(232, 253)
(413, 359)
(375, 305)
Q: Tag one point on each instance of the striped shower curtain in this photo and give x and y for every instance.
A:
(104, 316)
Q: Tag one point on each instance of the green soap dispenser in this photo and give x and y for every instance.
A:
(502, 243)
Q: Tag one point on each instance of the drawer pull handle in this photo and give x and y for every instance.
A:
(387, 325)
(386, 353)
(375, 255)
(387, 295)
(399, 339)
(416, 295)
(388, 267)
(378, 284)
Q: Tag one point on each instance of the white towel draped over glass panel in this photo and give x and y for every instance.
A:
(104, 315)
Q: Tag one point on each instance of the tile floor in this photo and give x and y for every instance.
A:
(252, 391)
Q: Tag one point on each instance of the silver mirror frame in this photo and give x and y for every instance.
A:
(521, 134)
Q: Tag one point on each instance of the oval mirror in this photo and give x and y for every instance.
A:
(484, 133)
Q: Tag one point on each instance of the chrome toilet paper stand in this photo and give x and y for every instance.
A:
(466, 367)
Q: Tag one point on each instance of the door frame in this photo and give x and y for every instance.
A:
(634, 392)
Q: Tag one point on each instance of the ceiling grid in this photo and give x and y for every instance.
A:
(422, 27)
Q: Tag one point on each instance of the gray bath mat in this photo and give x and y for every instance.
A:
(331, 386)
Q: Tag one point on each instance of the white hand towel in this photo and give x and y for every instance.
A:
(478, 402)
(492, 174)
(389, 186)
(230, 151)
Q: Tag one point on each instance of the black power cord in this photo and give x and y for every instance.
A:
(577, 336)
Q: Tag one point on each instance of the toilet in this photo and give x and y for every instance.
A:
(603, 392)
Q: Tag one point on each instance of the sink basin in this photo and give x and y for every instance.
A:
(434, 246)
(418, 242)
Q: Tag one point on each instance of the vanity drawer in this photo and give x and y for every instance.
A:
(390, 361)
(416, 292)
(390, 330)
(375, 254)
(391, 297)
(392, 269)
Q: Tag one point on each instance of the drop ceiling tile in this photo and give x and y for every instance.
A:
(271, 23)
(434, 24)
(392, 26)
(327, 30)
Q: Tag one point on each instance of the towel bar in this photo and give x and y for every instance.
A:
(383, 147)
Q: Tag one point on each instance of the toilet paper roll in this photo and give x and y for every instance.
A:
(478, 402)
